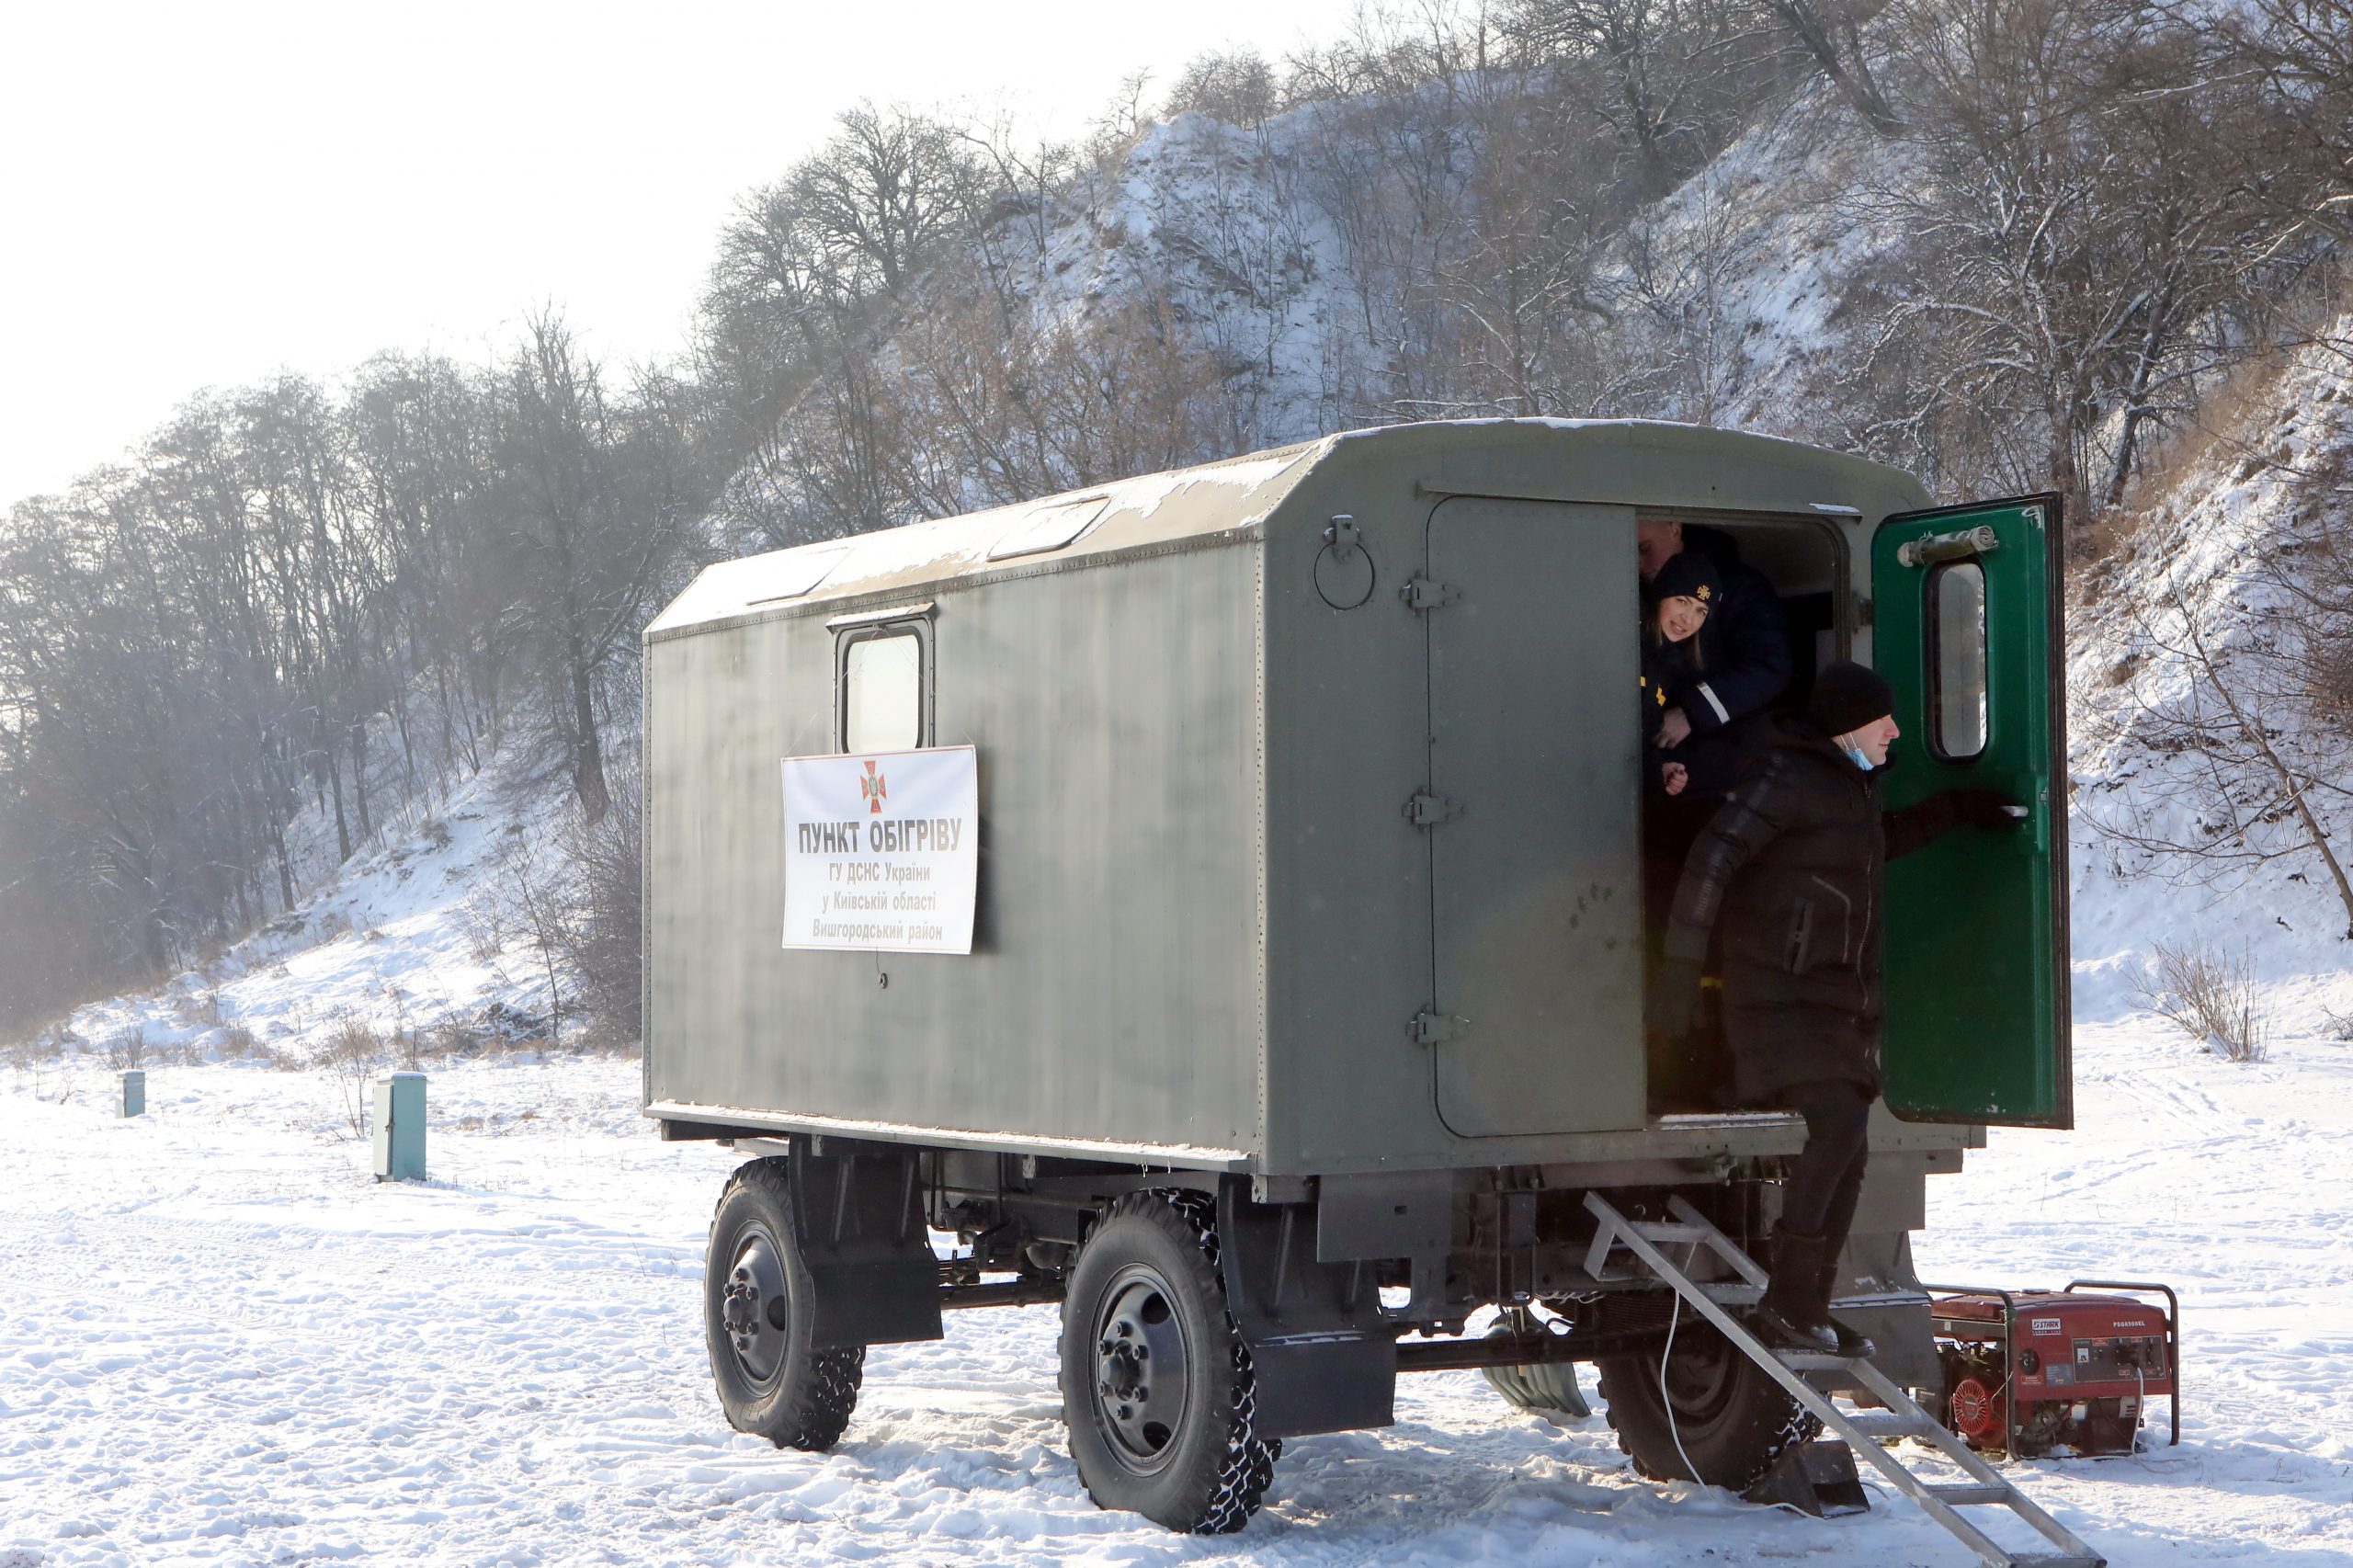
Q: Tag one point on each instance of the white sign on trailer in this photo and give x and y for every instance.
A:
(882, 850)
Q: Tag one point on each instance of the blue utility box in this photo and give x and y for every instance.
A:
(399, 1128)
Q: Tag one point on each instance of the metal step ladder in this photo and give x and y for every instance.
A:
(1901, 1418)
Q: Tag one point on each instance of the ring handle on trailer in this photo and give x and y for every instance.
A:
(2173, 1333)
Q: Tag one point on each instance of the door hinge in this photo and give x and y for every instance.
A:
(1422, 595)
(1437, 1028)
(1428, 811)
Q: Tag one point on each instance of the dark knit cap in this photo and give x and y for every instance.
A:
(1688, 575)
(1848, 696)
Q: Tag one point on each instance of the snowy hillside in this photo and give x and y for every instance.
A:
(2228, 546)
(1301, 277)
(416, 938)
(1725, 300)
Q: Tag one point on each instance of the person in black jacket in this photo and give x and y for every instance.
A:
(1788, 874)
(1745, 645)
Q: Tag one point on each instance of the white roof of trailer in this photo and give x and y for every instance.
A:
(1230, 496)
(1181, 503)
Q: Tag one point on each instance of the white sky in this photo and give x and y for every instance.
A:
(198, 194)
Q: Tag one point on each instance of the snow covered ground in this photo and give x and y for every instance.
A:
(220, 1342)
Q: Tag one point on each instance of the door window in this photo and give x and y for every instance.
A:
(1958, 685)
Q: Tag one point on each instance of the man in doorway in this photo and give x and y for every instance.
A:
(1789, 874)
(1744, 647)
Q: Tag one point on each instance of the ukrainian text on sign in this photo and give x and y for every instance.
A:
(882, 852)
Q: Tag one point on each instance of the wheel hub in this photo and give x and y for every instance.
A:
(1701, 1376)
(755, 1313)
(1142, 1367)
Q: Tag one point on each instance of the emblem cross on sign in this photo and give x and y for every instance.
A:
(871, 787)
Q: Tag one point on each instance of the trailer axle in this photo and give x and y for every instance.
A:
(1464, 1354)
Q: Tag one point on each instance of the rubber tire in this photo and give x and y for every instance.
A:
(1734, 1431)
(1542, 1388)
(807, 1401)
(1547, 1388)
(1217, 1471)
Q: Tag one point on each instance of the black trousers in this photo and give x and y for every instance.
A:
(1828, 1177)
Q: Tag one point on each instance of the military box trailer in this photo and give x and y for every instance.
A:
(1250, 955)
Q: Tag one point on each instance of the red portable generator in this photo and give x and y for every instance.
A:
(2029, 1372)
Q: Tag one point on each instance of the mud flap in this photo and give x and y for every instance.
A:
(1815, 1478)
(858, 1209)
(1325, 1358)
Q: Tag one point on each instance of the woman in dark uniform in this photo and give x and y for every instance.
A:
(1692, 765)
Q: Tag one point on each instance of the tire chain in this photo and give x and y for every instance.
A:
(1801, 1426)
(1249, 1464)
(833, 1378)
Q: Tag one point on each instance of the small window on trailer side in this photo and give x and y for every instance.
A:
(883, 685)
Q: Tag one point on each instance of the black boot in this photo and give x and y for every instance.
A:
(1790, 1317)
(1851, 1344)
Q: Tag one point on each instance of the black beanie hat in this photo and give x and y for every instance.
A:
(1848, 696)
(1688, 575)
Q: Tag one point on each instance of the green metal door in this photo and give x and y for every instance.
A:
(1967, 627)
(1536, 906)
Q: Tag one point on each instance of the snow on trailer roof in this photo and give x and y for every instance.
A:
(1239, 493)
(1219, 498)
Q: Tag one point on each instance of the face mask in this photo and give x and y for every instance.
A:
(1854, 755)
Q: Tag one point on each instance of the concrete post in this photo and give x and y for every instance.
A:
(133, 1100)
(399, 1130)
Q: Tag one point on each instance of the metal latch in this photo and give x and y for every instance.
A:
(1437, 1028)
(1425, 594)
(1342, 536)
(1428, 811)
(1979, 540)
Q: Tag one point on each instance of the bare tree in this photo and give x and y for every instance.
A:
(1672, 76)
(1831, 34)
(603, 932)
(592, 502)
(2077, 261)
(2238, 777)
(1123, 120)
(1237, 87)
(801, 298)
(886, 192)
(2301, 51)
(535, 898)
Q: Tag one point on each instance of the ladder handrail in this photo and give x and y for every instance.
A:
(1615, 1229)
